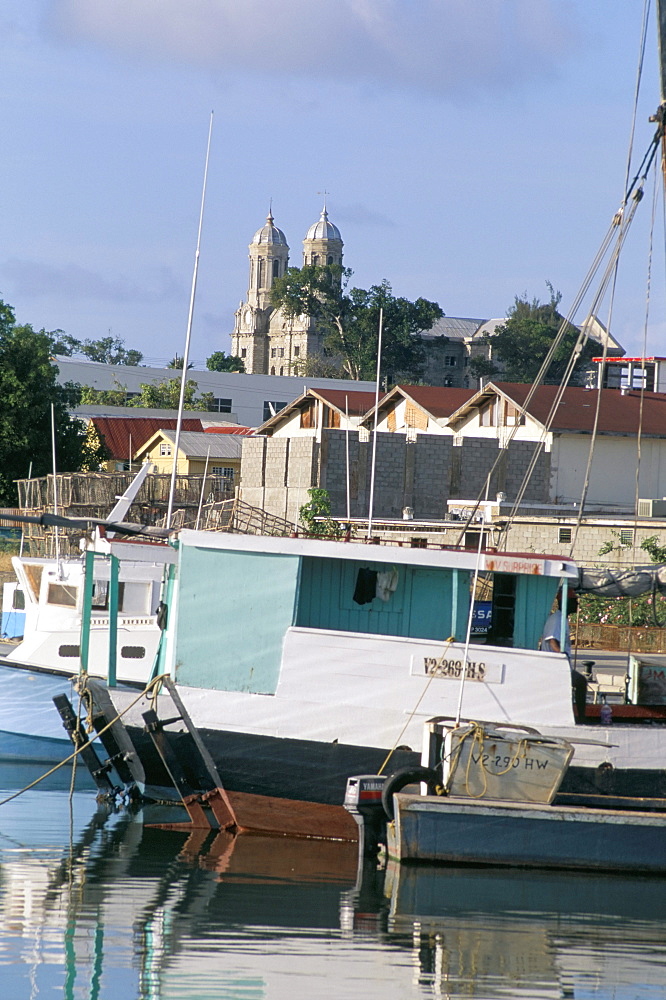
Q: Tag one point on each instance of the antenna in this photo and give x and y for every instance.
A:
(186, 354)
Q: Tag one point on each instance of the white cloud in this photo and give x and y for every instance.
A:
(441, 46)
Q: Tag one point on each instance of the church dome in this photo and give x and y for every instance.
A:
(270, 234)
(323, 230)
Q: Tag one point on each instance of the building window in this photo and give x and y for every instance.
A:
(260, 274)
(226, 472)
(273, 352)
(281, 371)
(276, 268)
(243, 352)
(329, 259)
(280, 352)
(271, 407)
(221, 405)
(564, 535)
(272, 369)
(297, 351)
(487, 415)
(513, 416)
(450, 361)
(165, 450)
(626, 537)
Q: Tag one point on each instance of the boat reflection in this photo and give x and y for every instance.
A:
(107, 904)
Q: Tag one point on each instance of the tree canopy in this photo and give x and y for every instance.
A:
(109, 350)
(28, 390)
(221, 362)
(522, 343)
(349, 320)
(159, 396)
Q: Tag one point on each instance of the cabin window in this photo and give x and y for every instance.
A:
(59, 593)
(100, 594)
(68, 651)
(18, 600)
(132, 652)
(564, 535)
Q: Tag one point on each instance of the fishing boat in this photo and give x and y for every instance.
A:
(492, 798)
(298, 662)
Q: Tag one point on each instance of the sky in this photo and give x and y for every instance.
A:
(470, 151)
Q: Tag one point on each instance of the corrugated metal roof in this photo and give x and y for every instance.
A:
(117, 431)
(243, 431)
(453, 327)
(197, 445)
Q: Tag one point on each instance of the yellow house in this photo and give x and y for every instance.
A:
(221, 451)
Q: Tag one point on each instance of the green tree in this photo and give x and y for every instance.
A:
(166, 396)
(482, 368)
(28, 390)
(522, 343)
(109, 350)
(221, 362)
(349, 320)
(315, 515)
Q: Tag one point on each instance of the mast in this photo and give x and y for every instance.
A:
(660, 116)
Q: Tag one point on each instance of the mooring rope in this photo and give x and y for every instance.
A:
(155, 681)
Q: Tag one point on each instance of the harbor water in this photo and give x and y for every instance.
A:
(97, 906)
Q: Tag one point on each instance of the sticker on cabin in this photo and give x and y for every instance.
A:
(451, 667)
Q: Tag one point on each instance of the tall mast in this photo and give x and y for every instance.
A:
(660, 116)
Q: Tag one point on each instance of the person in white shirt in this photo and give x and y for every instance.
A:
(551, 640)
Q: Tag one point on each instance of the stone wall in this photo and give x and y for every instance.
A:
(423, 474)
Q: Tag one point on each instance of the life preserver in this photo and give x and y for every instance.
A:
(407, 776)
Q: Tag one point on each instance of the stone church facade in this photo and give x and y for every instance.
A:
(268, 342)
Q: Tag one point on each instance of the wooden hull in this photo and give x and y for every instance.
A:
(466, 831)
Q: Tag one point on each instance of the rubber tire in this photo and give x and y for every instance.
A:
(406, 776)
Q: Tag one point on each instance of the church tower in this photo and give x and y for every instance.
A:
(267, 341)
(323, 243)
(269, 259)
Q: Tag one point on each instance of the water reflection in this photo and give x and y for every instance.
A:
(96, 906)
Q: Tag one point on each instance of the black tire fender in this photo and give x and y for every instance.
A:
(407, 776)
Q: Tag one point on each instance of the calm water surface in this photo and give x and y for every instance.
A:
(96, 906)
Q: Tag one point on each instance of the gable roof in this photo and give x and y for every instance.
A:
(438, 401)
(117, 432)
(195, 444)
(357, 401)
(619, 412)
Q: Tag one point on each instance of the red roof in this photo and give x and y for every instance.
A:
(356, 401)
(439, 400)
(620, 412)
(229, 430)
(117, 431)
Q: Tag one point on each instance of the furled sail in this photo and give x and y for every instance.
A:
(629, 582)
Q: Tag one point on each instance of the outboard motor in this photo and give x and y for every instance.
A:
(363, 799)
